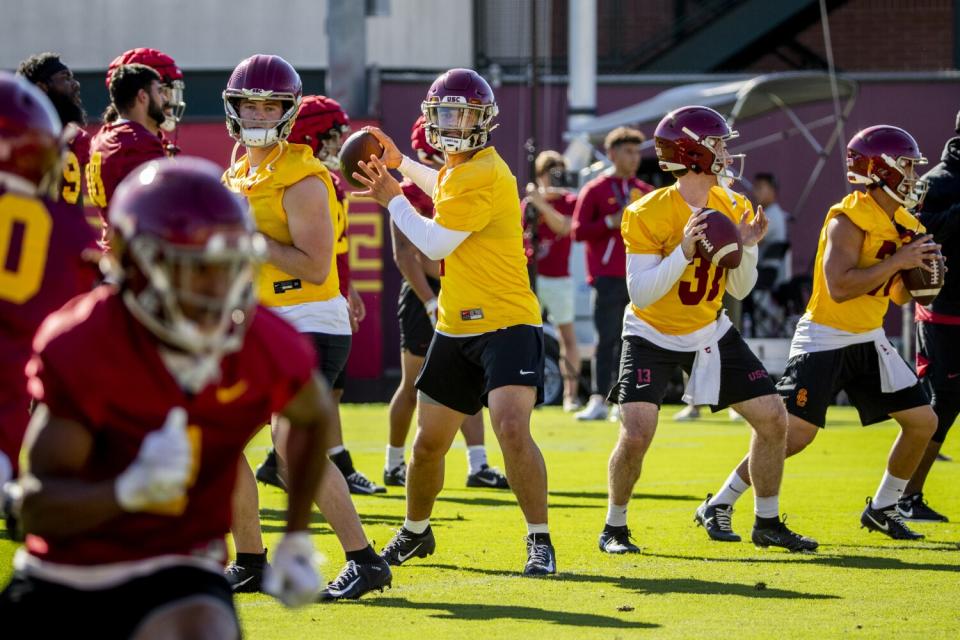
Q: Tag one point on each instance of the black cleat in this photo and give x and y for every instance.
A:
(716, 520)
(356, 579)
(617, 540)
(396, 477)
(406, 544)
(887, 521)
(916, 508)
(245, 578)
(778, 535)
(360, 484)
(541, 558)
(488, 477)
(269, 471)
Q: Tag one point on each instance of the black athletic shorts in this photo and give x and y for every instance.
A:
(646, 369)
(332, 353)
(34, 608)
(416, 330)
(811, 380)
(460, 372)
(938, 357)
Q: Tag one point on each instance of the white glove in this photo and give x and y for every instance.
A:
(431, 308)
(160, 473)
(292, 577)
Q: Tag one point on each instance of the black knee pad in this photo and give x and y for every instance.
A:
(947, 407)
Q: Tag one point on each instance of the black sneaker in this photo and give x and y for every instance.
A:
(356, 579)
(269, 472)
(715, 518)
(406, 544)
(360, 484)
(396, 477)
(887, 521)
(245, 578)
(916, 508)
(488, 477)
(778, 535)
(617, 540)
(541, 558)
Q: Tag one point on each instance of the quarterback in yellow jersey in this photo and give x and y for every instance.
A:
(488, 346)
(866, 240)
(675, 320)
(293, 202)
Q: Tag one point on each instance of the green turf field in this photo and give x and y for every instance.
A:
(682, 586)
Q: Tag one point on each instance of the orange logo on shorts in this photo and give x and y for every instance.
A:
(802, 398)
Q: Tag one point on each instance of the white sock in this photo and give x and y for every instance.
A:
(889, 492)
(394, 457)
(416, 526)
(616, 515)
(731, 490)
(334, 451)
(476, 457)
(768, 507)
(537, 528)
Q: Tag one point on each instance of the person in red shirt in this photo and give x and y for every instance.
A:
(133, 455)
(130, 139)
(548, 229)
(596, 221)
(43, 239)
(48, 72)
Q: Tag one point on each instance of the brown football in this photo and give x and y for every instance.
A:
(359, 146)
(721, 244)
(924, 285)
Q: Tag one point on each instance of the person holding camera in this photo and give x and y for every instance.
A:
(548, 216)
(596, 221)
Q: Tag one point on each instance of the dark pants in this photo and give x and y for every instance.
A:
(609, 301)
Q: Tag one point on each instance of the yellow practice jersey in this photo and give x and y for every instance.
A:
(654, 225)
(264, 188)
(882, 237)
(485, 282)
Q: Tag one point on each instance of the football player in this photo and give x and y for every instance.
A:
(488, 345)
(417, 313)
(44, 239)
(57, 81)
(294, 205)
(675, 319)
(171, 80)
(133, 456)
(866, 240)
(129, 139)
(937, 332)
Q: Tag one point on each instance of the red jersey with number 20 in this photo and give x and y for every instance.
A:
(98, 366)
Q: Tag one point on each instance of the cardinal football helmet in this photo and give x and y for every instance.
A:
(170, 76)
(30, 137)
(262, 77)
(322, 125)
(187, 252)
(694, 139)
(458, 111)
(886, 156)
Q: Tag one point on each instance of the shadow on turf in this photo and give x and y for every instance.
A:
(602, 495)
(841, 561)
(647, 586)
(485, 501)
(268, 516)
(476, 611)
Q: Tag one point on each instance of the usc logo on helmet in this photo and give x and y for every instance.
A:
(802, 398)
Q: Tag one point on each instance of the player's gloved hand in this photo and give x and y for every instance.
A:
(292, 577)
(431, 307)
(162, 468)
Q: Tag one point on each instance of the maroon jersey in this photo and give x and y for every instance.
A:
(123, 391)
(341, 244)
(603, 196)
(41, 268)
(74, 163)
(553, 253)
(420, 200)
(116, 150)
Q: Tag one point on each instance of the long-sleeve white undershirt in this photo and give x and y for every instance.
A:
(421, 175)
(434, 240)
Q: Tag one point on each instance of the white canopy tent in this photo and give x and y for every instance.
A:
(736, 100)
